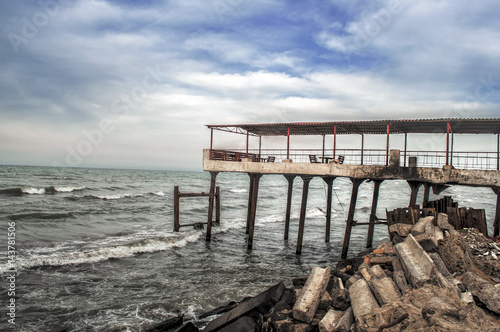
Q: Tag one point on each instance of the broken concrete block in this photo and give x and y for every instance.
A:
(385, 290)
(444, 225)
(467, 297)
(306, 305)
(485, 292)
(352, 280)
(399, 276)
(325, 302)
(419, 227)
(427, 241)
(329, 321)
(401, 229)
(416, 262)
(345, 322)
(377, 272)
(340, 299)
(362, 299)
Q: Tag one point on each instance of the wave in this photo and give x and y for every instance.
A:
(158, 193)
(238, 191)
(40, 190)
(53, 257)
(40, 215)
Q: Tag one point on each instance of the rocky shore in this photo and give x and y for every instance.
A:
(429, 277)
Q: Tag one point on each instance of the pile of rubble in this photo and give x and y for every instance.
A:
(428, 277)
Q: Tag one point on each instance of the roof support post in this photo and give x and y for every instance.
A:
(498, 152)
(447, 143)
(211, 141)
(334, 140)
(260, 145)
(451, 152)
(288, 144)
(323, 146)
(406, 142)
(248, 133)
(362, 147)
(387, 146)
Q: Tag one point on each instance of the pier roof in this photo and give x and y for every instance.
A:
(422, 126)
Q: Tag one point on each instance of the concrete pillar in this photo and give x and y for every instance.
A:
(250, 193)
(350, 216)
(427, 192)
(255, 178)
(373, 213)
(290, 179)
(303, 208)
(213, 176)
(414, 186)
(329, 181)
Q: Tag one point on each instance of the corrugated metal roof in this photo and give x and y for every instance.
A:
(401, 126)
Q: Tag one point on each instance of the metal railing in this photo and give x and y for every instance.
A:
(458, 159)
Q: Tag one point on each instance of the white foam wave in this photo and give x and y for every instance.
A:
(158, 193)
(33, 191)
(112, 196)
(51, 257)
(67, 189)
(236, 191)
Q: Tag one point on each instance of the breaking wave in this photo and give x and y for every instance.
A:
(40, 190)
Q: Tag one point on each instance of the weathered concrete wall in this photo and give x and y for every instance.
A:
(445, 175)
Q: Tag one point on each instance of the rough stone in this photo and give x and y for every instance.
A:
(362, 299)
(352, 280)
(385, 290)
(346, 321)
(442, 222)
(455, 254)
(167, 325)
(419, 227)
(427, 241)
(378, 272)
(188, 327)
(429, 308)
(467, 297)
(416, 262)
(329, 321)
(485, 292)
(306, 305)
(340, 298)
(401, 229)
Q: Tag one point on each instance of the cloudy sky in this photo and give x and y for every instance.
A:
(133, 83)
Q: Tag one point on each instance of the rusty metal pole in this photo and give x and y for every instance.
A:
(217, 205)
(362, 147)
(211, 142)
(447, 142)
(498, 152)
(303, 207)
(290, 179)
(288, 144)
(406, 142)
(213, 176)
(373, 213)
(248, 132)
(334, 140)
(329, 181)
(451, 152)
(387, 146)
(260, 145)
(323, 147)
(253, 211)
(350, 216)
(250, 196)
(177, 225)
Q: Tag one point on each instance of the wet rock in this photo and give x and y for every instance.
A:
(429, 308)
(243, 324)
(167, 325)
(485, 292)
(306, 305)
(220, 310)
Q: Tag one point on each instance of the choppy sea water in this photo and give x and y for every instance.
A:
(95, 248)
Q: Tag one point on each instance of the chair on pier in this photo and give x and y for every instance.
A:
(341, 159)
(270, 159)
(313, 159)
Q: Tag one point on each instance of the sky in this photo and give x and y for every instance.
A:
(132, 84)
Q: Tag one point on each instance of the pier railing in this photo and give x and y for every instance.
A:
(459, 159)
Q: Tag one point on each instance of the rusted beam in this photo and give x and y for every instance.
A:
(334, 140)
(176, 209)
(305, 191)
(290, 179)
(387, 146)
(329, 181)
(217, 205)
(213, 176)
(373, 213)
(362, 147)
(250, 196)
(406, 143)
(211, 141)
(447, 143)
(350, 216)
(288, 143)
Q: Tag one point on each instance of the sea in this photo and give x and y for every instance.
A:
(95, 249)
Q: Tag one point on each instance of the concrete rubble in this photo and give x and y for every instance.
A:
(453, 285)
